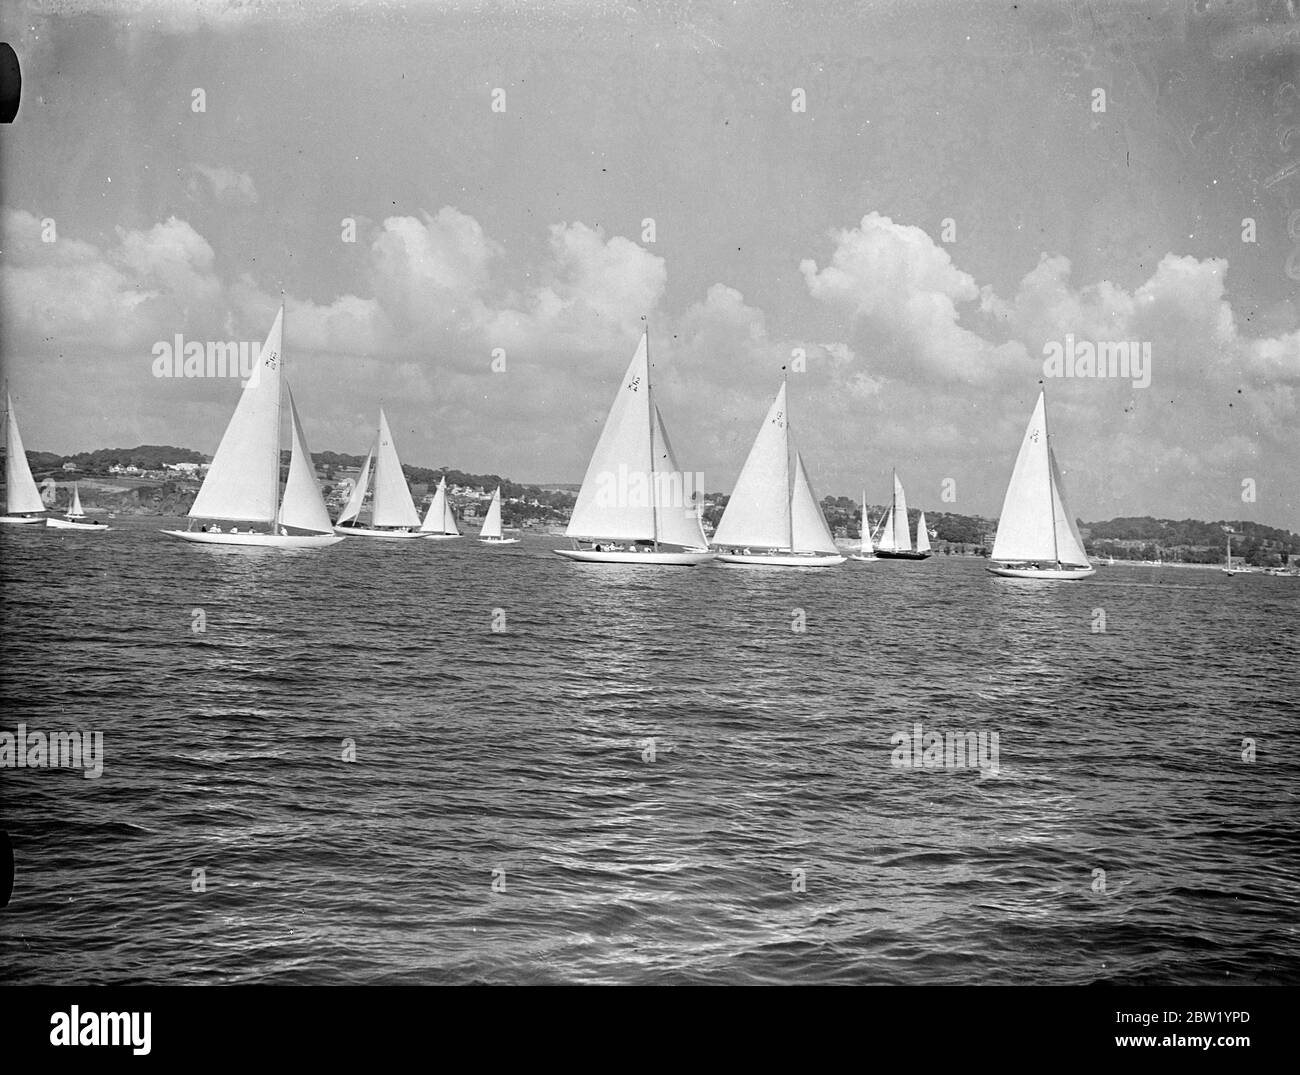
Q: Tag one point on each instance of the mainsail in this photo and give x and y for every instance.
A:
(21, 495)
(677, 516)
(392, 505)
(492, 523)
(358, 495)
(243, 481)
(615, 500)
(74, 509)
(758, 513)
(1035, 524)
(898, 518)
(864, 530)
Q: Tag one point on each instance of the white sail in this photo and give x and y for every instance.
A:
(1035, 524)
(392, 505)
(1069, 543)
(758, 513)
(492, 523)
(616, 499)
(303, 507)
(898, 518)
(439, 518)
(811, 534)
(922, 535)
(74, 509)
(21, 495)
(864, 530)
(677, 517)
(358, 495)
(886, 542)
(243, 481)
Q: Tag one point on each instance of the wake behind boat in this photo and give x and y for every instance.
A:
(243, 483)
(1037, 537)
(632, 507)
(72, 519)
(773, 518)
(23, 503)
(392, 514)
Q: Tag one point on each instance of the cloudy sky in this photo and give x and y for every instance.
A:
(964, 184)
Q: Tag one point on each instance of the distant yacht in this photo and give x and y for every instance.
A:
(439, 522)
(1227, 567)
(392, 512)
(72, 520)
(773, 518)
(1037, 537)
(243, 483)
(632, 506)
(491, 533)
(23, 503)
(895, 542)
(866, 550)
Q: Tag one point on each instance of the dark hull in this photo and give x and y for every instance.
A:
(902, 555)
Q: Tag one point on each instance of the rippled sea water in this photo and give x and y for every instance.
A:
(522, 757)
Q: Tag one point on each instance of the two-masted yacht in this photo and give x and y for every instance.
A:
(895, 541)
(634, 507)
(1037, 536)
(773, 518)
(392, 510)
(23, 503)
(242, 486)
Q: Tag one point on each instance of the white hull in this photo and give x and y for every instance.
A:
(271, 541)
(34, 520)
(432, 535)
(499, 541)
(71, 524)
(383, 535)
(671, 559)
(779, 559)
(863, 559)
(1064, 574)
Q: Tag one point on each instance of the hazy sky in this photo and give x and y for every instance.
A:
(774, 229)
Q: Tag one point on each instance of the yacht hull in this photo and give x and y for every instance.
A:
(33, 520)
(499, 541)
(270, 541)
(666, 559)
(428, 536)
(882, 554)
(382, 535)
(1065, 574)
(780, 559)
(863, 559)
(69, 524)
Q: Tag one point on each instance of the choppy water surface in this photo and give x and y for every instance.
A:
(520, 755)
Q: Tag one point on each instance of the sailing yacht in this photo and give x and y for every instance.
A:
(243, 483)
(632, 506)
(72, 519)
(439, 521)
(491, 533)
(773, 518)
(895, 542)
(23, 503)
(392, 511)
(1037, 537)
(1227, 567)
(866, 551)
